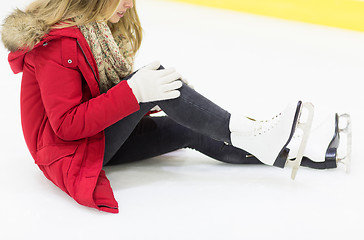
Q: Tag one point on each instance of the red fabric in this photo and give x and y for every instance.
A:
(64, 115)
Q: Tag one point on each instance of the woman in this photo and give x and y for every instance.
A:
(82, 107)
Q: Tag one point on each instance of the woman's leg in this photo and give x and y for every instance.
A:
(191, 110)
(116, 134)
(195, 112)
(154, 136)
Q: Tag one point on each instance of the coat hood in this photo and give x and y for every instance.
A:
(22, 31)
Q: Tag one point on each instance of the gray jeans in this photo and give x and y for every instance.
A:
(192, 121)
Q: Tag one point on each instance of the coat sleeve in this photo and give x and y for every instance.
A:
(71, 117)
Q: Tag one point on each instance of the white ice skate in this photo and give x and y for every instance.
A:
(325, 141)
(268, 140)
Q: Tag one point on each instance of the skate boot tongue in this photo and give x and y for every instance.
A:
(250, 127)
(245, 126)
(262, 127)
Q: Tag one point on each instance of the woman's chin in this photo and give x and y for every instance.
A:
(114, 20)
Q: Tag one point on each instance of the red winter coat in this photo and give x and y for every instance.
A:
(64, 115)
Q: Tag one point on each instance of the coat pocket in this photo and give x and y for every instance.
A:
(52, 153)
(55, 161)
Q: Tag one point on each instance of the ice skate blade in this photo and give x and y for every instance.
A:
(305, 127)
(346, 160)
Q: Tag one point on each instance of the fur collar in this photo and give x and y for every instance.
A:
(22, 31)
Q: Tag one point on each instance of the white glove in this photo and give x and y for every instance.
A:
(150, 84)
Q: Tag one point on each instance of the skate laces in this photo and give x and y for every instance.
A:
(262, 127)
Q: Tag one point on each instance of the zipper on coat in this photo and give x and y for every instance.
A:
(93, 71)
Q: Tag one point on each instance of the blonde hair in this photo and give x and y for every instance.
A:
(61, 13)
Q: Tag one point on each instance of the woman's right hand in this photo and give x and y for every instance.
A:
(150, 84)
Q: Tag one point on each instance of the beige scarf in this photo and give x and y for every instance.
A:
(113, 53)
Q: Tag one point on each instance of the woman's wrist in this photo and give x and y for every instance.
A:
(135, 89)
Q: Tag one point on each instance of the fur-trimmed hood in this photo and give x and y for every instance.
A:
(22, 31)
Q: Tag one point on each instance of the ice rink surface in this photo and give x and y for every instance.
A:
(246, 63)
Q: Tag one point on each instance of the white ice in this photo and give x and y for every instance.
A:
(243, 62)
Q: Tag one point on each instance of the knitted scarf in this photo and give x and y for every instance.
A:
(113, 53)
